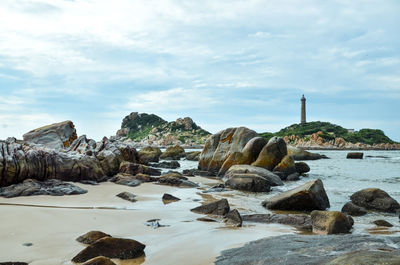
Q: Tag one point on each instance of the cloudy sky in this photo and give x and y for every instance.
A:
(223, 63)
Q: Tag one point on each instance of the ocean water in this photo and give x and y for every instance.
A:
(341, 178)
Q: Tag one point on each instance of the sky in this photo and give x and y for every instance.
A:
(222, 63)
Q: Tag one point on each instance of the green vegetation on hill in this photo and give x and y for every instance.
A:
(330, 132)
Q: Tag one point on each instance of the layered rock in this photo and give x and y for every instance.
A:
(307, 197)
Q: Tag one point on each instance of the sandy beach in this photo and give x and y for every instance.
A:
(52, 224)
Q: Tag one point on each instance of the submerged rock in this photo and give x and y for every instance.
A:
(307, 197)
(301, 221)
(110, 247)
(30, 187)
(376, 200)
(127, 196)
(248, 182)
(326, 223)
(355, 155)
(311, 250)
(99, 261)
(220, 207)
(271, 178)
(354, 210)
(91, 237)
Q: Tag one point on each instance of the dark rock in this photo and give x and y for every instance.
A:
(125, 179)
(219, 146)
(111, 248)
(375, 199)
(206, 219)
(271, 178)
(134, 169)
(307, 197)
(248, 182)
(149, 154)
(293, 177)
(13, 263)
(298, 153)
(354, 210)
(32, 187)
(99, 261)
(27, 244)
(367, 257)
(302, 167)
(91, 237)
(173, 153)
(193, 156)
(169, 197)
(174, 174)
(176, 181)
(301, 221)
(216, 188)
(305, 249)
(271, 154)
(326, 223)
(220, 207)
(233, 218)
(382, 223)
(355, 155)
(127, 196)
(189, 172)
(166, 164)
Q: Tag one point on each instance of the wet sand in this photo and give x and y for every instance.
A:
(52, 223)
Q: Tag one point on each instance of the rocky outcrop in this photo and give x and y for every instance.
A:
(354, 210)
(57, 135)
(173, 153)
(327, 223)
(30, 187)
(271, 178)
(301, 221)
(315, 250)
(355, 155)
(221, 145)
(376, 200)
(149, 129)
(149, 154)
(307, 197)
(111, 247)
(248, 182)
(271, 154)
(91, 237)
(220, 207)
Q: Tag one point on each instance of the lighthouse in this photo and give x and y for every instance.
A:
(303, 110)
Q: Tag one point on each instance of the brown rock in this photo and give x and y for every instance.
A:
(149, 154)
(169, 197)
(302, 167)
(354, 210)
(134, 169)
(91, 237)
(173, 153)
(325, 222)
(248, 182)
(127, 196)
(233, 218)
(307, 197)
(220, 207)
(375, 199)
(382, 223)
(271, 154)
(355, 155)
(286, 166)
(111, 248)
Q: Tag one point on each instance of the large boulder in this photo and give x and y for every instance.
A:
(173, 153)
(307, 197)
(57, 135)
(248, 182)
(220, 207)
(110, 247)
(271, 178)
(298, 153)
(376, 200)
(149, 154)
(326, 223)
(30, 187)
(271, 154)
(247, 156)
(221, 145)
